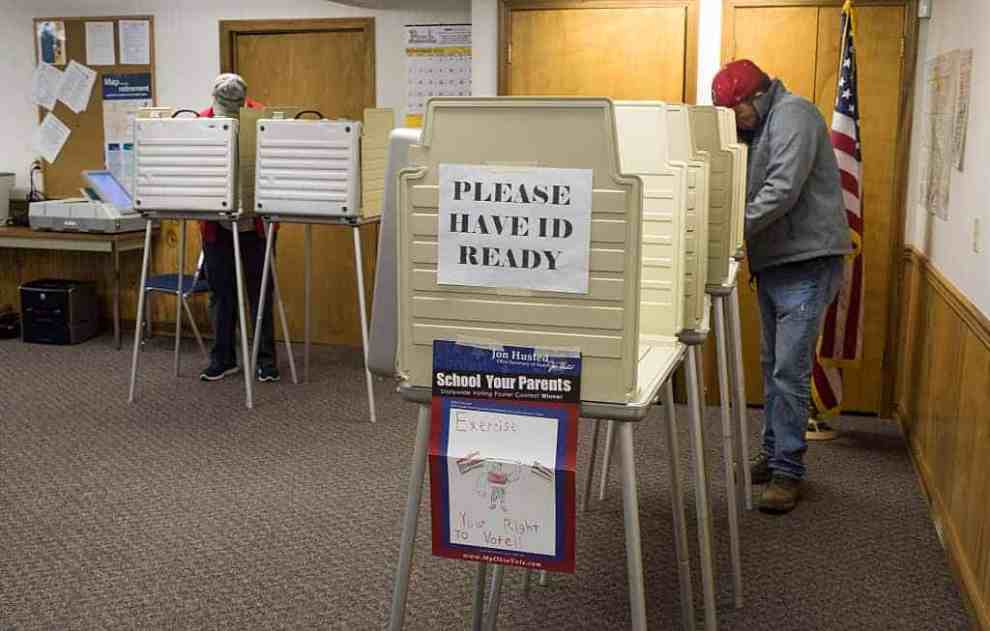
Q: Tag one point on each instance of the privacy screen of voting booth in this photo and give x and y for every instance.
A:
(186, 164)
(308, 167)
(607, 320)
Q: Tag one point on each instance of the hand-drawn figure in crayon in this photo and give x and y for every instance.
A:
(493, 478)
(496, 480)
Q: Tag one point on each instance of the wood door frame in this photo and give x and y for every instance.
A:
(891, 353)
(230, 29)
(506, 7)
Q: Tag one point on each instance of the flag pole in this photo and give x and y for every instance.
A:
(818, 429)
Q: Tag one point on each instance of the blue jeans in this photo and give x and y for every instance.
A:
(793, 299)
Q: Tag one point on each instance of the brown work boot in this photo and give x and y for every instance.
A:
(781, 496)
(759, 469)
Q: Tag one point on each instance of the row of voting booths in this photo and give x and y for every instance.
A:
(274, 164)
(664, 237)
(667, 211)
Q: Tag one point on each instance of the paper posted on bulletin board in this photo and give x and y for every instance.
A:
(438, 63)
(123, 96)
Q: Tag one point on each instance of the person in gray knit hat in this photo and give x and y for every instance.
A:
(229, 96)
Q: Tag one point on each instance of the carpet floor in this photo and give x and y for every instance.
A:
(184, 510)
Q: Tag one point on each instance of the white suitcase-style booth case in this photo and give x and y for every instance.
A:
(308, 167)
(605, 324)
(186, 164)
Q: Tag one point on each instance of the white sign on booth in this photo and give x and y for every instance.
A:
(524, 228)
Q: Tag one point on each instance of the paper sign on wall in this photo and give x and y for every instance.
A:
(524, 228)
(502, 454)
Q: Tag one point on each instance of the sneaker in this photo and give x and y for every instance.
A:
(781, 496)
(216, 372)
(268, 373)
(759, 469)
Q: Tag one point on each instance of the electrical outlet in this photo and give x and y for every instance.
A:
(924, 8)
(977, 237)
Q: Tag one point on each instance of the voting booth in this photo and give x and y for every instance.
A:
(190, 168)
(730, 139)
(186, 164)
(723, 203)
(622, 312)
(384, 316)
(605, 323)
(308, 167)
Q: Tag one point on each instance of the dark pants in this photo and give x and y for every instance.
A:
(221, 272)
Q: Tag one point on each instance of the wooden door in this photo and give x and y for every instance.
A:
(327, 65)
(800, 45)
(624, 50)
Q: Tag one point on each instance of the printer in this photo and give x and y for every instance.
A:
(106, 207)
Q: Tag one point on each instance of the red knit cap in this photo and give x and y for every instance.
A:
(736, 82)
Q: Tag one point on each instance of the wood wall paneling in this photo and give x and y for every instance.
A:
(944, 408)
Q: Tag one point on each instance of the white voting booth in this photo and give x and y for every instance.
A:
(188, 168)
(655, 142)
(308, 171)
(625, 325)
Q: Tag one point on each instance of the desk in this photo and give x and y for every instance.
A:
(15, 237)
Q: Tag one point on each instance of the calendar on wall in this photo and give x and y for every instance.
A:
(438, 63)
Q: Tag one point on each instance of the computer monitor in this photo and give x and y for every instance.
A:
(108, 189)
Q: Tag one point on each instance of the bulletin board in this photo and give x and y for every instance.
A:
(86, 147)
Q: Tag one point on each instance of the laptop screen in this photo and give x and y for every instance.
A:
(109, 189)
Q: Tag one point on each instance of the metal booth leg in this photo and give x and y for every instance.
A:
(140, 310)
(241, 293)
(359, 272)
(606, 459)
(178, 297)
(116, 294)
(252, 366)
(677, 503)
(544, 577)
(589, 479)
(407, 544)
(630, 509)
(495, 598)
(307, 294)
(478, 608)
(702, 490)
(285, 321)
(739, 398)
(728, 448)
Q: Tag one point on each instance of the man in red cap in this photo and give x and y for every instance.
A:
(796, 239)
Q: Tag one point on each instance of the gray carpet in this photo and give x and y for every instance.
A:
(186, 511)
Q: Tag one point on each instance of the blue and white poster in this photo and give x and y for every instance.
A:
(502, 454)
(123, 96)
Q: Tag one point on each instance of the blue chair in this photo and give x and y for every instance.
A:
(169, 284)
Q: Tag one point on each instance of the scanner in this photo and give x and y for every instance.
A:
(105, 207)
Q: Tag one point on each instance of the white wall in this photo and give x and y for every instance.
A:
(484, 66)
(956, 24)
(187, 49)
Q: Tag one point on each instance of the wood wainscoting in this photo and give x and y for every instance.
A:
(943, 406)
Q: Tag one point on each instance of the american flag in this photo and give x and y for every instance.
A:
(842, 334)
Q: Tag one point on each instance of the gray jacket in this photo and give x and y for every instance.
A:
(794, 205)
